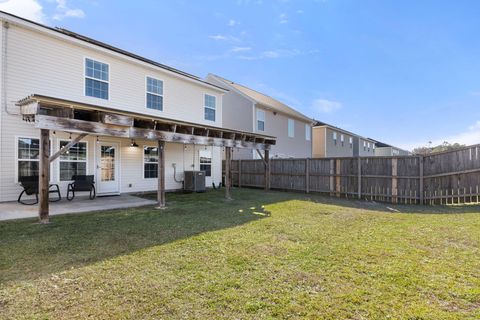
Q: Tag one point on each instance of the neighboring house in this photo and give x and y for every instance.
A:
(53, 77)
(249, 110)
(330, 142)
(386, 150)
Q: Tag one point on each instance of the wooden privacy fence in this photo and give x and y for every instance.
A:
(444, 178)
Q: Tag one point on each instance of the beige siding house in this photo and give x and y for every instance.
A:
(331, 142)
(43, 61)
(249, 110)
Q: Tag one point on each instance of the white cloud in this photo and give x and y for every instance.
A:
(300, 11)
(64, 11)
(218, 37)
(29, 9)
(240, 49)
(278, 53)
(232, 23)
(326, 106)
(283, 18)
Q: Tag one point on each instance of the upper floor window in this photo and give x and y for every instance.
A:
(368, 144)
(96, 79)
(210, 105)
(73, 161)
(364, 145)
(335, 137)
(308, 132)
(342, 138)
(260, 120)
(351, 142)
(291, 128)
(154, 94)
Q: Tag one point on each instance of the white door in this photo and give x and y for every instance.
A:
(107, 168)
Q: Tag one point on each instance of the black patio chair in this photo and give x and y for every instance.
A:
(30, 187)
(82, 183)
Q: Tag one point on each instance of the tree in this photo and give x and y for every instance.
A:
(445, 146)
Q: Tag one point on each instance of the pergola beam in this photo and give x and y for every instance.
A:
(44, 176)
(67, 147)
(161, 175)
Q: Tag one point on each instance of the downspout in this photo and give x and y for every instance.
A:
(5, 27)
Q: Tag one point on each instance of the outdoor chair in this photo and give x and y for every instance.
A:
(30, 187)
(81, 183)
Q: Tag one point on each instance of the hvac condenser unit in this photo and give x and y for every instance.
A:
(194, 181)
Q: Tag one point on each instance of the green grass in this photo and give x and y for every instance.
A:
(263, 255)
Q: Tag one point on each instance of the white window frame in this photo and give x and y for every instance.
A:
(291, 128)
(149, 162)
(350, 140)
(308, 132)
(334, 136)
(87, 77)
(58, 160)
(259, 119)
(364, 145)
(154, 93)
(208, 107)
(17, 159)
(342, 139)
(211, 160)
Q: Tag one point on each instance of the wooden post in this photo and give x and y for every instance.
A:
(161, 175)
(420, 164)
(228, 172)
(394, 180)
(359, 177)
(307, 175)
(239, 173)
(44, 176)
(337, 177)
(266, 159)
(332, 177)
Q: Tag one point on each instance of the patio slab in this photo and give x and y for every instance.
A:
(15, 210)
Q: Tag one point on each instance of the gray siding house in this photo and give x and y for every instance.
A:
(252, 111)
(386, 150)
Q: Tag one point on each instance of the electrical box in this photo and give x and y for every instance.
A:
(194, 181)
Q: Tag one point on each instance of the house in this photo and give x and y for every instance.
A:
(329, 141)
(386, 150)
(252, 111)
(71, 105)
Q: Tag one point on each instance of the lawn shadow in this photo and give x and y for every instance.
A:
(29, 250)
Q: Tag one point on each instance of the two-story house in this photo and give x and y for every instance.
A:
(118, 105)
(249, 110)
(330, 142)
(386, 150)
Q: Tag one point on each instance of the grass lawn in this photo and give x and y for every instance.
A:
(263, 255)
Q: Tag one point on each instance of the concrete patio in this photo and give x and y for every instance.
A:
(15, 210)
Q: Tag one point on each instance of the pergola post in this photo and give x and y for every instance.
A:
(161, 175)
(266, 159)
(228, 172)
(44, 176)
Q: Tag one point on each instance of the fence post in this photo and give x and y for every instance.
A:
(266, 159)
(239, 171)
(359, 179)
(307, 175)
(394, 180)
(420, 164)
(337, 178)
(332, 177)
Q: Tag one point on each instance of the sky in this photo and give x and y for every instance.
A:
(402, 72)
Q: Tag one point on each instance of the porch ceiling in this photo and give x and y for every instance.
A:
(76, 117)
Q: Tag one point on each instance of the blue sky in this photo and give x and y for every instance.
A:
(404, 72)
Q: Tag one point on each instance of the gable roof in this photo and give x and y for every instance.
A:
(82, 38)
(263, 99)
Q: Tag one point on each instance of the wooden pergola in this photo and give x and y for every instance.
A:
(49, 113)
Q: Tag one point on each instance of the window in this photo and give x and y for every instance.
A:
(28, 157)
(368, 144)
(364, 145)
(351, 142)
(73, 161)
(150, 162)
(210, 104)
(260, 120)
(206, 162)
(334, 137)
(291, 128)
(96, 79)
(308, 132)
(342, 139)
(154, 94)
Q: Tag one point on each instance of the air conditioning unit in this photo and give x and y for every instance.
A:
(194, 181)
